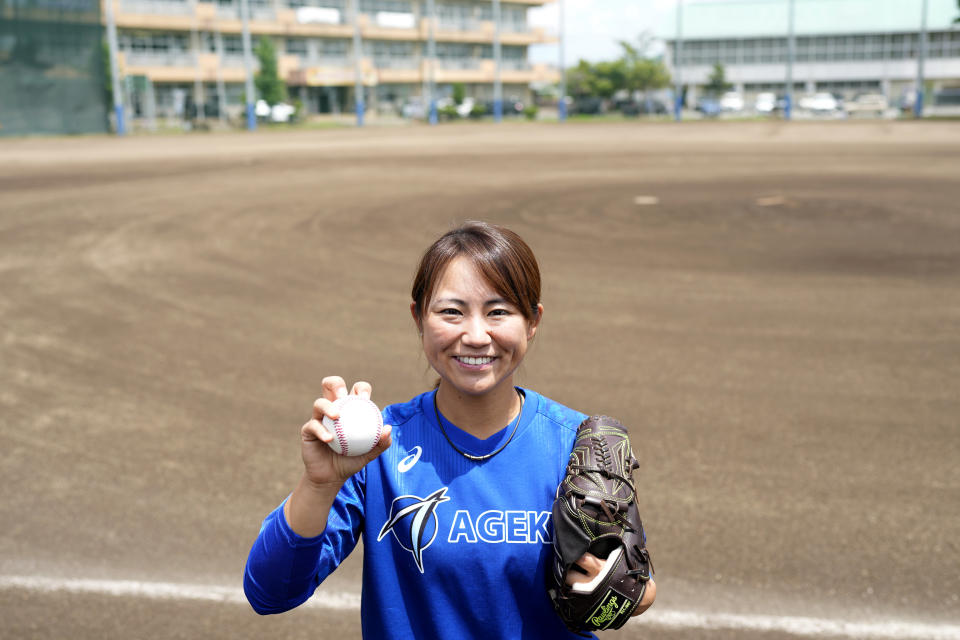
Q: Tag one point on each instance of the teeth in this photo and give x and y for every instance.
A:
(475, 361)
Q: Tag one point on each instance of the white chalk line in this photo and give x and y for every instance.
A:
(162, 590)
(658, 617)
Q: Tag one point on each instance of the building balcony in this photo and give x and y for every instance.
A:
(265, 19)
(158, 59)
(157, 7)
(185, 67)
(408, 62)
(482, 31)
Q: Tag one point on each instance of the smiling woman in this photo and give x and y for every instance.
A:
(451, 549)
(476, 303)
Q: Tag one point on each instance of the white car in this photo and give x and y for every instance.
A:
(731, 101)
(765, 103)
(875, 103)
(465, 107)
(280, 112)
(414, 109)
(819, 103)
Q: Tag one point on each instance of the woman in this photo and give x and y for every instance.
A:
(453, 506)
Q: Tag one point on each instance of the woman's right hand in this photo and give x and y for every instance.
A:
(323, 467)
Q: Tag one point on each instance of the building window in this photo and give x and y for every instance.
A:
(387, 6)
(233, 45)
(456, 55)
(458, 16)
(330, 48)
(513, 19)
(297, 47)
(148, 48)
(320, 4)
(391, 55)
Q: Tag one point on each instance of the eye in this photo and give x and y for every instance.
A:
(499, 312)
(449, 311)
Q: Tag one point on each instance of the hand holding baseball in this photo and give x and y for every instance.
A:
(342, 424)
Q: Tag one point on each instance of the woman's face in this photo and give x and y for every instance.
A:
(472, 337)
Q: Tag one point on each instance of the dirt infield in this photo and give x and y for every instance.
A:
(774, 310)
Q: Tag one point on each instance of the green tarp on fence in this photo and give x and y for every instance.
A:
(52, 67)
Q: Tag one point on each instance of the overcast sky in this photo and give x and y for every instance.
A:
(593, 27)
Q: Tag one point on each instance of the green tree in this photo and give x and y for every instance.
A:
(601, 80)
(580, 80)
(268, 82)
(103, 61)
(611, 77)
(459, 93)
(634, 70)
(642, 72)
(717, 81)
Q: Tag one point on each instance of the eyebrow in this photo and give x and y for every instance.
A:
(463, 302)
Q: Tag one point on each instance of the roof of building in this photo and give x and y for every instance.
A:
(752, 18)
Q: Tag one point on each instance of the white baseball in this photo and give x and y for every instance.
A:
(358, 428)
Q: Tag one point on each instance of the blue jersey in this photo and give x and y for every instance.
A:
(453, 548)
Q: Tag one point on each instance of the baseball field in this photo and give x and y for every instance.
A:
(772, 308)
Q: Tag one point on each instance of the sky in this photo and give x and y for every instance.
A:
(593, 27)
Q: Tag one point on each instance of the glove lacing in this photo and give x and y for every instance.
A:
(601, 453)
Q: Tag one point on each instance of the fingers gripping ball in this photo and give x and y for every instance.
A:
(357, 431)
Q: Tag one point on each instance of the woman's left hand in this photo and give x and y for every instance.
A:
(592, 566)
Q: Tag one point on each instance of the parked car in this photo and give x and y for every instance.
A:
(708, 106)
(731, 101)
(465, 108)
(509, 107)
(819, 103)
(765, 103)
(589, 105)
(642, 107)
(414, 108)
(867, 103)
(280, 112)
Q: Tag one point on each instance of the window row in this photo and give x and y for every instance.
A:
(311, 48)
(891, 46)
(451, 15)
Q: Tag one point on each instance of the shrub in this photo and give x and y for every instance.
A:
(448, 112)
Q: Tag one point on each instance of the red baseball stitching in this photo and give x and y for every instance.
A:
(379, 423)
(341, 438)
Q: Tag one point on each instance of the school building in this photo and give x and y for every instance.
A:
(180, 53)
(841, 46)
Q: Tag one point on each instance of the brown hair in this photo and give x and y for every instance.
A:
(504, 259)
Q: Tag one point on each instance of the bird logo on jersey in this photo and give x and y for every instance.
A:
(413, 522)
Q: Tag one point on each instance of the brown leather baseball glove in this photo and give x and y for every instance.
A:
(596, 511)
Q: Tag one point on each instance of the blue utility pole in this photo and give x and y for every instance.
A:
(248, 65)
(921, 58)
(358, 65)
(497, 86)
(562, 99)
(432, 57)
(115, 69)
(791, 48)
(678, 50)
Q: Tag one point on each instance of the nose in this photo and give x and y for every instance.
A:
(476, 331)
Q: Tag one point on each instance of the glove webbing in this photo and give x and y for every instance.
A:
(603, 453)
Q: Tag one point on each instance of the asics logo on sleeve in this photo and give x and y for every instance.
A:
(407, 463)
